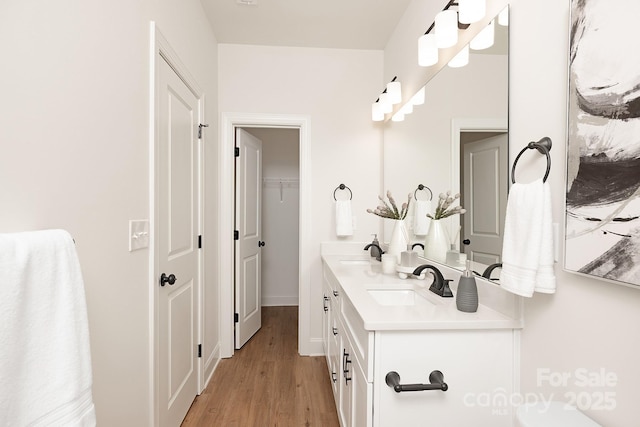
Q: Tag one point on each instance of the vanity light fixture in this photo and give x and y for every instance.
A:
(427, 50)
(391, 94)
(471, 10)
(446, 28)
(485, 38)
(376, 111)
(394, 90)
(461, 59)
(407, 108)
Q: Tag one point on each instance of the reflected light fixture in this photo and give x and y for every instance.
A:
(484, 39)
(446, 28)
(503, 17)
(398, 116)
(418, 98)
(461, 59)
(471, 10)
(407, 108)
(427, 50)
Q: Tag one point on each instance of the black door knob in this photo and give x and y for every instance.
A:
(170, 279)
(466, 242)
(261, 244)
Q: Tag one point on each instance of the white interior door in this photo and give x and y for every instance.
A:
(248, 246)
(485, 197)
(178, 114)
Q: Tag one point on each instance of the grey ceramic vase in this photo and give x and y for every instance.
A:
(467, 295)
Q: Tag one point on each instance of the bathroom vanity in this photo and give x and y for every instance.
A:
(376, 324)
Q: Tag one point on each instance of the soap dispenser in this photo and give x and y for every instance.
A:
(467, 294)
(374, 250)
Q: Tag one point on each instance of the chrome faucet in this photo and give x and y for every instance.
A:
(440, 285)
(380, 251)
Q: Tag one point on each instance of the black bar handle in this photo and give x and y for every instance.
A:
(436, 382)
(324, 303)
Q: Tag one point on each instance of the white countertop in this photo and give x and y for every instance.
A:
(429, 312)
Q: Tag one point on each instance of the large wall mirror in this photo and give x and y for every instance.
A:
(457, 141)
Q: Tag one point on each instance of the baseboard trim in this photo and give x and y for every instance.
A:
(280, 301)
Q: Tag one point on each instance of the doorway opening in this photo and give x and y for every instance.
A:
(300, 124)
(267, 220)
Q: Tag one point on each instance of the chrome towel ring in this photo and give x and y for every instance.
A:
(420, 188)
(543, 146)
(342, 187)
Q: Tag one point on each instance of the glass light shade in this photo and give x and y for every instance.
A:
(397, 117)
(384, 102)
(461, 59)
(446, 28)
(418, 98)
(395, 92)
(376, 112)
(471, 10)
(427, 50)
(484, 39)
(503, 17)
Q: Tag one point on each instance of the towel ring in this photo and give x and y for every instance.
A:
(422, 187)
(342, 187)
(543, 146)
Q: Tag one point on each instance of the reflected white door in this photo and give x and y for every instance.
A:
(485, 197)
(248, 246)
(178, 250)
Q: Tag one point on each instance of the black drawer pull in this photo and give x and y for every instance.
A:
(436, 382)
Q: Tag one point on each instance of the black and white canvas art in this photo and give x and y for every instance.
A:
(603, 152)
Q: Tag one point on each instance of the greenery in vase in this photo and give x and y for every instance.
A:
(444, 208)
(390, 209)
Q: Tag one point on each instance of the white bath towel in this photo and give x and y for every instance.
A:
(344, 218)
(45, 364)
(420, 220)
(527, 251)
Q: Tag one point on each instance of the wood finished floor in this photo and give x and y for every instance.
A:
(266, 383)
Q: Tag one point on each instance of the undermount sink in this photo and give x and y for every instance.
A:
(355, 261)
(397, 297)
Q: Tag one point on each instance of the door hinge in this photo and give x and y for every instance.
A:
(237, 152)
(235, 317)
(199, 350)
(236, 235)
(200, 241)
(200, 126)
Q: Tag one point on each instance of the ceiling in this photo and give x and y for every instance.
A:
(340, 24)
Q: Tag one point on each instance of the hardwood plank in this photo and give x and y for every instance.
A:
(267, 383)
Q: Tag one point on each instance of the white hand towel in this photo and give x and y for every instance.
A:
(344, 218)
(420, 220)
(527, 251)
(45, 363)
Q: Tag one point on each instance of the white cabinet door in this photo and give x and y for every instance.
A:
(477, 366)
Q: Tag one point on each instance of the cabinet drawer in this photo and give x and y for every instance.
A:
(361, 339)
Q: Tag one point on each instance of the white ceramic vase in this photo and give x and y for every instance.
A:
(399, 239)
(436, 244)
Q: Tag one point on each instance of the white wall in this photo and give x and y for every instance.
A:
(588, 324)
(335, 88)
(74, 145)
(280, 212)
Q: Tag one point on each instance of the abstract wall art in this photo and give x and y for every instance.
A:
(602, 221)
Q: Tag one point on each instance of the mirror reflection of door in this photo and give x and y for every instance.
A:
(484, 194)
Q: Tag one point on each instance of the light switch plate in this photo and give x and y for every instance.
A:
(138, 234)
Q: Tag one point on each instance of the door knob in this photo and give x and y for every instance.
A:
(261, 243)
(170, 279)
(466, 242)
